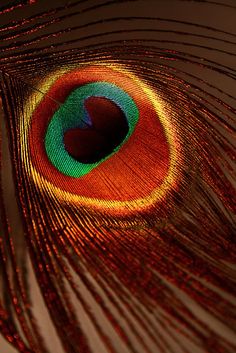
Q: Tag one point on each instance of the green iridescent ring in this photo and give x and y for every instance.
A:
(72, 114)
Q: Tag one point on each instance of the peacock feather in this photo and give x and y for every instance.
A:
(118, 176)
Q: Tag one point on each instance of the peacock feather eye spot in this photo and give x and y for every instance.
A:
(96, 125)
(105, 130)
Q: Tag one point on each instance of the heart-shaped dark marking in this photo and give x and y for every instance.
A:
(108, 129)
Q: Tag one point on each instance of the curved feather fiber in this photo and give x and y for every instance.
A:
(138, 255)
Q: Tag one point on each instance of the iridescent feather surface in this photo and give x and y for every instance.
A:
(118, 176)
